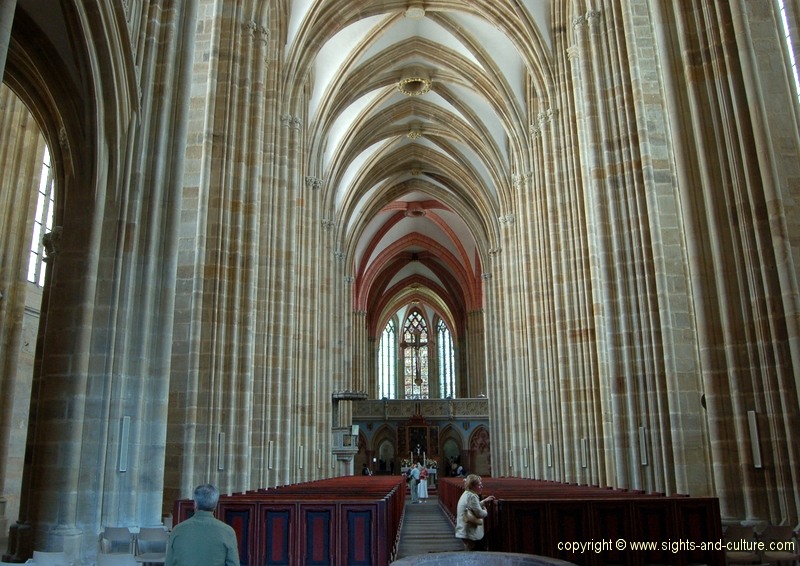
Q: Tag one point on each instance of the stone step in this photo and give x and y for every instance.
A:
(426, 529)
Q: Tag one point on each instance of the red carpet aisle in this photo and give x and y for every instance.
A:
(426, 529)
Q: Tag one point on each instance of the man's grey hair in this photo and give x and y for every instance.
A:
(206, 497)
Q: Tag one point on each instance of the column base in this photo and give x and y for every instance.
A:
(20, 543)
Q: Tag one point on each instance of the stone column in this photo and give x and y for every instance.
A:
(20, 159)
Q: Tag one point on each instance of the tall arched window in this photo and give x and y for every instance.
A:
(43, 222)
(387, 362)
(415, 357)
(788, 36)
(408, 359)
(446, 357)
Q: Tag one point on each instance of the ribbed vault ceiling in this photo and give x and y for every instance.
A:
(417, 180)
(416, 183)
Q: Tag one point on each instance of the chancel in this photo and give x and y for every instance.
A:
(265, 243)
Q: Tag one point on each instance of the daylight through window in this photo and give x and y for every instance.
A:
(42, 223)
(788, 36)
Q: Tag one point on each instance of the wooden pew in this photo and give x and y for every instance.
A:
(539, 517)
(350, 520)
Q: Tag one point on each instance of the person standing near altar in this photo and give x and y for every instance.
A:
(413, 484)
(422, 488)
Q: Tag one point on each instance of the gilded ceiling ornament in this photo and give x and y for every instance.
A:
(415, 82)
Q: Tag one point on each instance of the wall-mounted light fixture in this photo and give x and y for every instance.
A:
(124, 438)
(643, 445)
(221, 451)
(270, 452)
(584, 452)
(752, 421)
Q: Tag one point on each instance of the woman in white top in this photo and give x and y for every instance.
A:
(422, 488)
(470, 529)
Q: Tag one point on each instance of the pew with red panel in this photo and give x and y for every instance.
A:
(349, 520)
(534, 516)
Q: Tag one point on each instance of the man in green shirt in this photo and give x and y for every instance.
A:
(203, 539)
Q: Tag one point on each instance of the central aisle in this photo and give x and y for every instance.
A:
(426, 529)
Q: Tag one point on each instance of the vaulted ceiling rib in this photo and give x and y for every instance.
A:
(416, 180)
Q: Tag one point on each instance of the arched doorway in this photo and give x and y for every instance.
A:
(479, 450)
(383, 451)
(452, 448)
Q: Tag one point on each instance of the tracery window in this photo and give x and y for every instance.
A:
(413, 361)
(387, 362)
(446, 357)
(415, 357)
(42, 223)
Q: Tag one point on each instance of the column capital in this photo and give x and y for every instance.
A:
(291, 121)
(314, 183)
(593, 17)
(256, 31)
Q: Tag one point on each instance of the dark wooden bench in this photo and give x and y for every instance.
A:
(538, 517)
(350, 520)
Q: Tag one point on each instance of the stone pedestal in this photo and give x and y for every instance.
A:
(67, 539)
(3, 520)
(20, 543)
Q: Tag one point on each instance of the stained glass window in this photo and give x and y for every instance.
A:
(415, 357)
